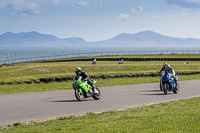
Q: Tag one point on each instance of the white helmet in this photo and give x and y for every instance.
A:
(164, 64)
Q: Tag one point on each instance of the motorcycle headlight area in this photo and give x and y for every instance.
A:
(74, 83)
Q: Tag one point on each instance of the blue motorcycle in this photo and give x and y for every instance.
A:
(169, 84)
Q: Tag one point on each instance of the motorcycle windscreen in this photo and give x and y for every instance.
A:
(94, 82)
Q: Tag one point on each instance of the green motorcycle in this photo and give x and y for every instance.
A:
(84, 90)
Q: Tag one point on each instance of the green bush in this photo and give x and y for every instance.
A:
(62, 118)
(17, 123)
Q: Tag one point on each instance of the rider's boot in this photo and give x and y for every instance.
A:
(88, 94)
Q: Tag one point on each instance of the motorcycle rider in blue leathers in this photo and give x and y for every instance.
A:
(171, 72)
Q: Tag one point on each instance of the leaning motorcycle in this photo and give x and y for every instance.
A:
(169, 84)
(84, 90)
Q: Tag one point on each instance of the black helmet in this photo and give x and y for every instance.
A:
(78, 69)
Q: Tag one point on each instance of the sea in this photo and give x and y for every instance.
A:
(12, 53)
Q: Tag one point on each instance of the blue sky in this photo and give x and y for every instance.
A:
(95, 20)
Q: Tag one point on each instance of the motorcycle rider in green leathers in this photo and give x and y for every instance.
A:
(85, 77)
(171, 71)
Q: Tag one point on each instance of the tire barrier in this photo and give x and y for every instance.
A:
(130, 75)
(58, 79)
(36, 81)
(45, 80)
(28, 82)
(65, 78)
(9, 83)
(126, 59)
(116, 59)
(52, 79)
(2, 83)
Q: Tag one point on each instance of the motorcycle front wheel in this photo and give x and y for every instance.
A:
(166, 89)
(98, 95)
(161, 86)
(79, 96)
(176, 88)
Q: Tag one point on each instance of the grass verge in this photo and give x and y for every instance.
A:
(35, 71)
(176, 116)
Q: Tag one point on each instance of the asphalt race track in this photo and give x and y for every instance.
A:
(35, 106)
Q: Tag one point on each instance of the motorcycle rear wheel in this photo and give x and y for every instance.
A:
(98, 95)
(79, 96)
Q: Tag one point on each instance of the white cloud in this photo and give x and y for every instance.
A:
(123, 16)
(33, 4)
(133, 10)
(155, 16)
(186, 14)
(169, 11)
(55, 2)
(22, 8)
(193, 1)
(83, 4)
(23, 14)
(185, 3)
(17, 5)
(140, 9)
(101, 6)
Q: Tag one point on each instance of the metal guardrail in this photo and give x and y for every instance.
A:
(152, 52)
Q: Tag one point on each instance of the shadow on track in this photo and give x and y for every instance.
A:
(159, 94)
(72, 101)
(151, 91)
(155, 94)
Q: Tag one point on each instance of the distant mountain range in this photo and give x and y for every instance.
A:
(35, 38)
(145, 38)
(149, 38)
